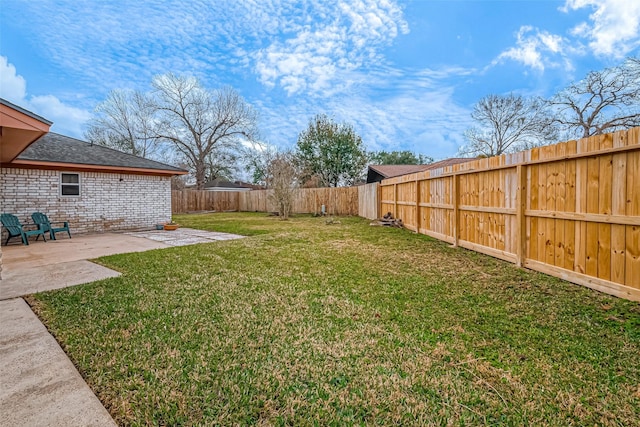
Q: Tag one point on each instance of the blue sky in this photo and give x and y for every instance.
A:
(405, 74)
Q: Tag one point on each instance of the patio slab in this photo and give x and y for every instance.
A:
(56, 264)
(60, 263)
(185, 236)
(20, 257)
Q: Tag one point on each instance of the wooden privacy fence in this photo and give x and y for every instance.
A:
(368, 205)
(361, 200)
(202, 200)
(571, 210)
(337, 201)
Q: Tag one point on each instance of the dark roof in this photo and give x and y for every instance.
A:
(57, 148)
(379, 172)
(221, 183)
(389, 171)
(23, 111)
(448, 162)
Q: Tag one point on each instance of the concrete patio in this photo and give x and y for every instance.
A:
(40, 385)
(60, 263)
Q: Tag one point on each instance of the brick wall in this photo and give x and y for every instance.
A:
(107, 201)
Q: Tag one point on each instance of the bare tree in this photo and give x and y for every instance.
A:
(506, 124)
(605, 101)
(282, 180)
(125, 121)
(198, 121)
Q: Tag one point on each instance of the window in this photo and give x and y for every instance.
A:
(70, 184)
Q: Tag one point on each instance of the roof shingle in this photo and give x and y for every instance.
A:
(57, 148)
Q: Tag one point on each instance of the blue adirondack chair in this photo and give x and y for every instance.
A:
(15, 229)
(47, 226)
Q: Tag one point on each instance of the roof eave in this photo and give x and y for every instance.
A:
(20, 128)
(38, 164)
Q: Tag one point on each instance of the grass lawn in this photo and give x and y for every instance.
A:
(307, 323)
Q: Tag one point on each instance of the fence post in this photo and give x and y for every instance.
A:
(417, 205)
(378, 200)
(456, 212)
(395, 201)
(521, 198)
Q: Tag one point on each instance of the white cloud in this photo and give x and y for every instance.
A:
(391, 109)
(614, 29)
(297, 45)
(425, 121)
(66, 119)
(13, 87)
(538, 49)
(311, 49)
(342, 37)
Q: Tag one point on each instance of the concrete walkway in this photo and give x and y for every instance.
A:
(39, 386)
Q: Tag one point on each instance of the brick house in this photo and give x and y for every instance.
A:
(93, 187)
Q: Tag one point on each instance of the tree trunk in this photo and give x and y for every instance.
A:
(200, 177)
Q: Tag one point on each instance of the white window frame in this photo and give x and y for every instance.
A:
(79, 184)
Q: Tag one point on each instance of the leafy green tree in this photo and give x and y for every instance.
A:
(330, 152)
(256, 158)
(405, 157)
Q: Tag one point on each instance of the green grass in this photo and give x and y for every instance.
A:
(305, 323)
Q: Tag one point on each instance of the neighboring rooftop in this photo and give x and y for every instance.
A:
(229, 185)
(58, 149)
(377, 173)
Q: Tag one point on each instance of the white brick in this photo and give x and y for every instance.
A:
(105, 202)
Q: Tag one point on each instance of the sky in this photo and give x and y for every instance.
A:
(404, 74)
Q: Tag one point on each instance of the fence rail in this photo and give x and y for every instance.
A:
(571, 210)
